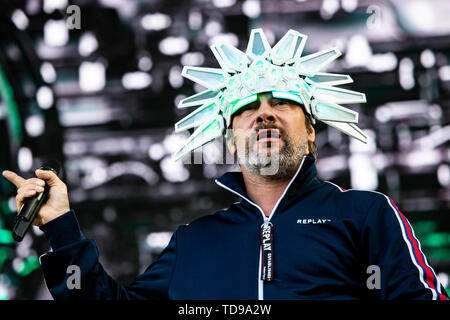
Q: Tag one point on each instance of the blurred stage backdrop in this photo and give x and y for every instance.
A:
(101, 96)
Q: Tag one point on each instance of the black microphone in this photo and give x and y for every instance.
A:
(31, 206)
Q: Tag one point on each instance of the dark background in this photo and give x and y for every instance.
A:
(102, 99)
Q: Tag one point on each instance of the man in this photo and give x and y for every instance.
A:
(292, 236)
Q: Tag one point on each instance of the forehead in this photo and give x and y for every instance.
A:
(264, 96)
(267, 97)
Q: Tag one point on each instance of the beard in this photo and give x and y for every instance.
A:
(267, 159)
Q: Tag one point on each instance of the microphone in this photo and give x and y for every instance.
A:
(31, 206)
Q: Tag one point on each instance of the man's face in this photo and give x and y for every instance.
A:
(270, 136)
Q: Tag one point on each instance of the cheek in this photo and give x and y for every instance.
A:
(296, 134)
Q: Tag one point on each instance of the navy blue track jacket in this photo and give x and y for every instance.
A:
(328, 243)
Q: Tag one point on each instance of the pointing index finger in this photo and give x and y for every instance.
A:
(14, 178)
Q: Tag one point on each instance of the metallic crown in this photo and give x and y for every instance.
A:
(280, 70)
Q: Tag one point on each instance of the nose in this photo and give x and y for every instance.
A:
(265, 113)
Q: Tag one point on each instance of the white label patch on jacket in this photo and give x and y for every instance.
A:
(313, 221)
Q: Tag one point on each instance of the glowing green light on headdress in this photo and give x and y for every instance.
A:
(280, 70)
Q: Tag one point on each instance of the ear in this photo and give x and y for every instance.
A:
(230, 143)
(311, 134)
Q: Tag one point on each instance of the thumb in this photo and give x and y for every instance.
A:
(50, 177)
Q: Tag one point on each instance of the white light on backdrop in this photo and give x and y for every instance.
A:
(229, 38)
(173, 45)
(427, 58)
(212, 152)
(444, 73)
(34, 125)
(12, 206)
(18, 265)
(404, 110)
(383, 114)
(33, 7)
(23, 248)
(69, 117)
(418, 159)
(178, 98)
(212, 28)
(436, 138)
(198, 88)
(421, 13)
(329, 8)
(56, 33)
(74, 148)
(349, 5)
(173, 142)
(88, 44)
(20, 19)
(158, 240)
(173, 171)
(443, 175)
(50, 5)
(145, 63)
(92, 76)
(25, 159)
(406, 74)
(328, 167)
(223, 3)
(175, 78)
(210, 171)
(369, 147)
(435, 111)
(195, 20)
(155, 21)
(37, 231)
(251, 8)
(48, 72)
(363, 173)
(358, 52)
(156, 152)
(382, 62)
(136, 80)
(44, 97)
(192, 59)
(443, 279)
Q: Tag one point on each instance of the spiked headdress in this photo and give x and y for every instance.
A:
(280, 70)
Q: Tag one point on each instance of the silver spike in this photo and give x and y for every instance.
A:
(258, 47)
(323, 110)
(330, 79)
(211, 78)
(309, 65)
(349, 129)
(208, 131)
(199, 98)
(337, 95)
(197, 117)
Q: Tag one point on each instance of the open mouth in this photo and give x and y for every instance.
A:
(268, 135)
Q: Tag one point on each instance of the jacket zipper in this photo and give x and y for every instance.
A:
(266, 223)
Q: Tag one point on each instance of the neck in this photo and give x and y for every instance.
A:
(264, 191)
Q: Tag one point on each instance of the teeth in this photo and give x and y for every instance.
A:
(268, 133)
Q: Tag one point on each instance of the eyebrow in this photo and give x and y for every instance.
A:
(270, 100)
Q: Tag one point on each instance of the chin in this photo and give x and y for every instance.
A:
(267, 150)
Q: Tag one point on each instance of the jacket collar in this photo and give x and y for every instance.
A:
(304, 180)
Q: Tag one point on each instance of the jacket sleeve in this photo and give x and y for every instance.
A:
(390, 244)
(70, 247)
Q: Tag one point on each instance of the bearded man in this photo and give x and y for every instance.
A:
(292, 236)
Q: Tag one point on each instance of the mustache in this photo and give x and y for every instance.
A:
(262, 126)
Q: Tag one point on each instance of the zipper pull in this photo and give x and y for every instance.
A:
(267, 250)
